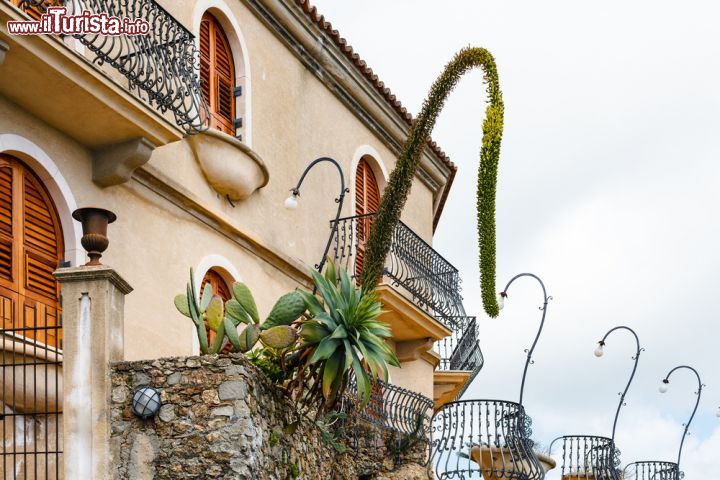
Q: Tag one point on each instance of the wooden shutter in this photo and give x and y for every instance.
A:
(367, 200)
(31, 248)
(220, 288)
(217, 74)
(35, 12)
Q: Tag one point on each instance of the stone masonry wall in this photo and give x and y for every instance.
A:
(223, 419)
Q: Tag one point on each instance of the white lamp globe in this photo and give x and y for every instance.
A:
(291, 202)
(663, 388)
(599, 351)
(501, 301)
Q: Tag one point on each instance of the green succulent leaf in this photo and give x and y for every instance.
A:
(206, 297)
(326, 348)
(331, 371)
(245, 298)
(232, 333)
(215, 313)
(236, 311)
(219, 339)
(287, 309)
(280, 336)
(249, 337)
(181, 303)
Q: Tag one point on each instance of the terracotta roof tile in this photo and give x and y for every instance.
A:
(361, 65)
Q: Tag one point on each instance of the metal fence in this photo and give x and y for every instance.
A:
(412, 265)
(483, 439)
(588, 457)
(392, 408)
(161, 68)
(31, 388)
(653, 470)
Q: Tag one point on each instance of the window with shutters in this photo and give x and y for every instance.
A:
(367, 201)
(221, 289)
(217, 76)
(31, 248)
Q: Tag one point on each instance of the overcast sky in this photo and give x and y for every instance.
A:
(609, 190)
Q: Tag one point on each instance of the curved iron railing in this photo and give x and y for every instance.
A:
(654, 470)
(392, 408)
(487, 439)
(588, 457)
(412, 264)
(161, 67)
(461, 350)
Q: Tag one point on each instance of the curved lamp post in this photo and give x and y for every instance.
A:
(501, 303)
(291, 203)
(595, 455)
(651, 469)
(489, 438)
(664, 388)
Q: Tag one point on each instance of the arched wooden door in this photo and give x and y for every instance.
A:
(31, 248)
(367, 201)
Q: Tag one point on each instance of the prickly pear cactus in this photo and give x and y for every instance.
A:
(280, 336)
(287, 309)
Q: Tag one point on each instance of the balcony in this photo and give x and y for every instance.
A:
(460, 359)
(105, 90)
(420, 292)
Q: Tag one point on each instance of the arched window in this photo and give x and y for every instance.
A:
(367, 201)
(217, 74)
(221, 289)
(31, 248)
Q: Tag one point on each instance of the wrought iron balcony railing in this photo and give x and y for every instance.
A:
(393, 408)
(412, 265)
(461, 350)
(588, 457)
(483, 439)
(653, 470)
(161, 67)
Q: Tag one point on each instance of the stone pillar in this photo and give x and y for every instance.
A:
(93, 311)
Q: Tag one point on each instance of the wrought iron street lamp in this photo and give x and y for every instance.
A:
(652, 469)
(291, 203)
(489, 438)
(591, 456)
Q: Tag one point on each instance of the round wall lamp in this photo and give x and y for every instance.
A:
(146, 402)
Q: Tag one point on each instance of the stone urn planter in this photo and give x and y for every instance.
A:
(31, 381)
(230, 167)
(497, 463)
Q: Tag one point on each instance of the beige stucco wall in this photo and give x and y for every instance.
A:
(153, 244)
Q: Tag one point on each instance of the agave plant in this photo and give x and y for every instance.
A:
(223, 319)
(341, 333)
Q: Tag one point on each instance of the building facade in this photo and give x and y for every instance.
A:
(120, 123)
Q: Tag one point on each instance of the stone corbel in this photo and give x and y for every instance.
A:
(115, 164)
(412, 349)
(4, 47)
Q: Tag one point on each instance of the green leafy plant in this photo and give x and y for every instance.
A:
(341, 334)
(224, 319)
(398, 187)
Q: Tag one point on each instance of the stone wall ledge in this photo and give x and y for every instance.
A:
(222, 418)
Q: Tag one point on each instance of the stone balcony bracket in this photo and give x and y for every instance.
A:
(115, 164)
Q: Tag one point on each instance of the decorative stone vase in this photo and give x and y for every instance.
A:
(94, 224)
(231, 168)
(32, 381)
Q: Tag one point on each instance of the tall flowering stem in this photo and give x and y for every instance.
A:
(398, 187)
